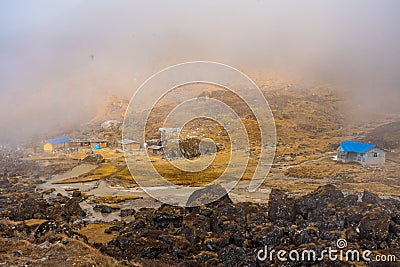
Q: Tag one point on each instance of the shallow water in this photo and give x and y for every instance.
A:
(102, 188)
(75, 172)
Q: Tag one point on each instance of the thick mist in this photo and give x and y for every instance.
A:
(59, 60)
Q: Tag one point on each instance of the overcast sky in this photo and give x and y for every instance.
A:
(59, 58)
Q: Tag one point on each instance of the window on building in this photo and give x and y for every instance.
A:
(375, 155)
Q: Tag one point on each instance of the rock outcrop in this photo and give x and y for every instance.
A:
(226, 234)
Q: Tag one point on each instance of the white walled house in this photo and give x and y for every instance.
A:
(365, 154)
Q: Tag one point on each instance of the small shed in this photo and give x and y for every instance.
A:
(56, 144)
(128, 145)
(365, 154)
(155, 150)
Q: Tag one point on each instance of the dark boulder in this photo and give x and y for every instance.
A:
(301, 237)
(223, 233)
(163, 220)
(208, 194)
(321, 214)
(93, 159)
(272, 236)
(115, 228)
(350, 200)
(327, 195)
(103, 208)
(232, 256)
(375, 225)
(370, 198)
(135, 225)
(195, 227)
(76, 193)
(55, 228)
(206, 212)
(30, 208)
(281, 207)
(127, 212)
(72, 210)
(227, 218)
(151, 252)
(205, 256)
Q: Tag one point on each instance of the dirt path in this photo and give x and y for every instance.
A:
(309, 161)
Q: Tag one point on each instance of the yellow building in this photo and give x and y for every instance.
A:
(56, 144)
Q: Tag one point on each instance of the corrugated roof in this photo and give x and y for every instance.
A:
(95, 139)
(128, 141)
(59, 140)
(357, 147)
(155, 147)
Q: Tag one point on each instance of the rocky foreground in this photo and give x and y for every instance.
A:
(219, 234)
(227, 234)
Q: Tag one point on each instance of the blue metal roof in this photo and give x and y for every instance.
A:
(59, 140)
(357, 147)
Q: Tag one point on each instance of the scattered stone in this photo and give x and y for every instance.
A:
(115, 228)
(232, 256)
(207, 195)
(204, 257)
(102, 208)
(163, 220)
(375, 225)
(280, 208)
(318, 200)
(30, 208)
(370, 198)
(72, 209)
(151, 252)
(221, 233)
(93, 159)
(127, 212)
(76, 194)
(18, 252)
(205, 212)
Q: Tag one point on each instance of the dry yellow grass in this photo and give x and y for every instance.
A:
(103, 171)
(375, 187)
(123, 174)
(112, 199)
(292, 186)
(180, 177)
(95, 233)
(107, 153)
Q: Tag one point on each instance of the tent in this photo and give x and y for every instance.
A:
(96, 147)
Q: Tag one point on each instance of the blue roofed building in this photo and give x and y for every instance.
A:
(56, 144)
(365, 154)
